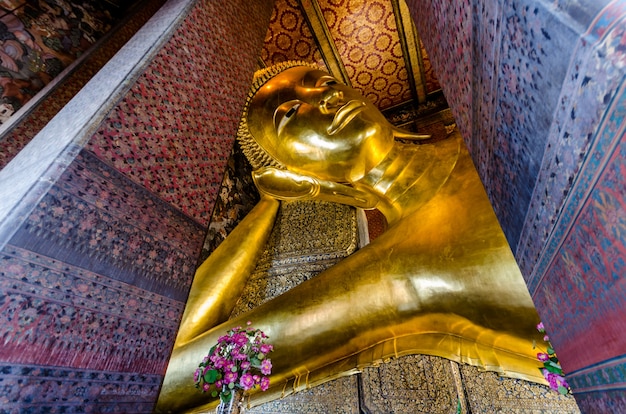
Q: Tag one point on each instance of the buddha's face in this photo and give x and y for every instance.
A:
(314, 125)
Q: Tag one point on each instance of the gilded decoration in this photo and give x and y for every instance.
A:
(308, 237)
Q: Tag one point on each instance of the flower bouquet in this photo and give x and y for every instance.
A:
(552, 371)
(238, 361)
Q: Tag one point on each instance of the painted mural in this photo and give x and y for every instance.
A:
(40, 38)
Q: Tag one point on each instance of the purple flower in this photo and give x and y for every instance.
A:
(246, 381)
(206, 387)
(196, 375)
(555, 380)
(240, 339)
(245, 365)
(542, 356)
(266, 348)
(540, 327)
(546, 338)
(266, 367)
(230, 377)
(240, 356)
(219, 362)
(265, 383)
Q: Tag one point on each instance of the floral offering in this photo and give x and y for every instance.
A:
(552, 371)
(238, 361)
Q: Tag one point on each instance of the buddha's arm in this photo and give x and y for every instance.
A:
(218, 282)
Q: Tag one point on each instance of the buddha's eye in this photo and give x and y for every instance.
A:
(326, 81)
(284, 113)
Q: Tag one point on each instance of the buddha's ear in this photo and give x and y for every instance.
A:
(288, 185)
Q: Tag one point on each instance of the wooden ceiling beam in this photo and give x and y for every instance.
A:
(411, 50)
(315, 19)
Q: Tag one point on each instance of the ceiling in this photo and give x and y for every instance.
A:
(370, 45)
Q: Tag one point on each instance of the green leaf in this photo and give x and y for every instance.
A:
(212, 349)
(550, 350)
(226, 396)
(211, 376)
(255, 362)
(234, 369)
(231, 385)
(214, 393)
(553, 369)
(563, 390)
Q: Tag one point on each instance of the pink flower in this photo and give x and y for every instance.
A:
(196, 375)
(206, 386)
(240, 356)
(542, 356)
(246, 381)
(266, 367)
(555, 380)
(245, 365)
(230, 377)
(240, 339)
(546, 338)
(265, 348)
(219, 362)
(265, 383)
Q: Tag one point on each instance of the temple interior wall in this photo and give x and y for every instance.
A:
(104, 214)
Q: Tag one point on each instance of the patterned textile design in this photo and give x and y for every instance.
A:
(91, 291)
(237, 196)
(367, 38)
(14, 140)
(307, 238)
(46, 389)
(534, 44)
(95, 218)
(582, 290)
(174, 131)
(592, 85)
(289, 37)
(93, 284)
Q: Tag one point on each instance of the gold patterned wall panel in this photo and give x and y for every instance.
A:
(366, 37)
(289, 37)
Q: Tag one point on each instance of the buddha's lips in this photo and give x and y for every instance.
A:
(344, 115)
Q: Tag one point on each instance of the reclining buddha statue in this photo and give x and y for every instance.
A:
(441, 280)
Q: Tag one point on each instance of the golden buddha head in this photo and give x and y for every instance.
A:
(300, 118)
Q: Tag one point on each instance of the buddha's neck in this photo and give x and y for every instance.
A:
(409, 176)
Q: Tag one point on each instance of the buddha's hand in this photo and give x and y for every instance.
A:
(285, 185)
(288, 185)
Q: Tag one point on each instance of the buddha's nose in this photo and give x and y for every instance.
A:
(330, 100)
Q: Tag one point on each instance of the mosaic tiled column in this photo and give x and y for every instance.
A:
(98, 256)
